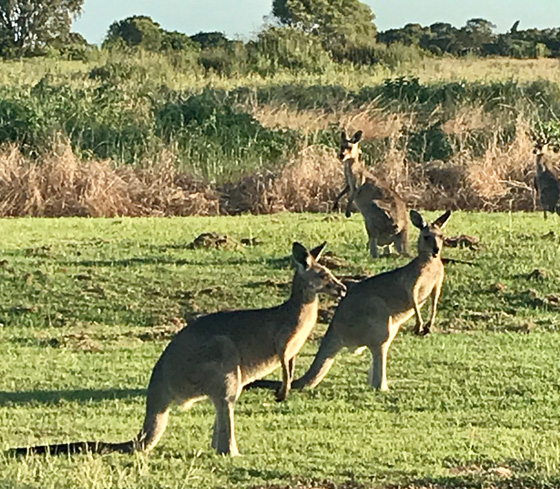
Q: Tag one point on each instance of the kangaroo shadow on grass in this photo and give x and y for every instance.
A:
(282, 262)
(78, 395)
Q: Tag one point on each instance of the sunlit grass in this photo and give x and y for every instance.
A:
(87, 306)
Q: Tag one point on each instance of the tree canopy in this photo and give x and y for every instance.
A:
(27, 26)
(135, 31)
(340, 24)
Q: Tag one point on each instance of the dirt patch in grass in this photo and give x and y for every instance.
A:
(214, 241)
(462, 241)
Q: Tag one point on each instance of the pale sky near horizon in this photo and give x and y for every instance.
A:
(242, 18)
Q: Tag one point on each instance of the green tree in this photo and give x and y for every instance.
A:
(136, 31)
(177, 41)
(210, 39)
(340, 24)
(475, 34)
(288, 48)
(27, 26)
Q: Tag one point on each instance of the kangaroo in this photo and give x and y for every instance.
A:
(218, 354)
(546, 182)
(383, 209)
(373, 310)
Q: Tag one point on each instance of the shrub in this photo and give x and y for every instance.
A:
(225, 60)
(428, 144)
(209, 131)
(286, 48)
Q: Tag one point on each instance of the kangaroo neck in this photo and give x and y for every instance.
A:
(426, 257)
(353, 171)
(302, 295)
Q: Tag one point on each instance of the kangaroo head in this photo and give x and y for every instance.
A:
(316, 277)
(543, 149)
(349, 148)
(430, 241)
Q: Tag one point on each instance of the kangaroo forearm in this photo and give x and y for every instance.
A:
(339, 196)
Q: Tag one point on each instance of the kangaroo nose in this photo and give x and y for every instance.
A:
(436, 250)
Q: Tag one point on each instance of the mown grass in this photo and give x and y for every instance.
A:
(87, 305)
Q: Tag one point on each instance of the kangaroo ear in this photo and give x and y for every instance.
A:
(318, 251)
(441, 221)
(300, 255)
(417, 219)
(356, 137)
(343, 136)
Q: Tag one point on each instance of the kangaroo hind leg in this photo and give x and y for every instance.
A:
(401, 242)
(377, 377)
(223, 437)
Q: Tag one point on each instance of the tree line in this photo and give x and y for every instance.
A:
(298, 35)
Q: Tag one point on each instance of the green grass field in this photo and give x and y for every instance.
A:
(88, 305)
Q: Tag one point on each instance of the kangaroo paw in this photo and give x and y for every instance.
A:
(281, 395)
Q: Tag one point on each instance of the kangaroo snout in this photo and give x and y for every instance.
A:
(336, 289)
(341, 290)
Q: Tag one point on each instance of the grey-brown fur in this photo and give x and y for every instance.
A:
(383, 209)
(374, 309)
(546, 181)
(217, 355)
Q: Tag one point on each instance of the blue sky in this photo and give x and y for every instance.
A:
(244, 17)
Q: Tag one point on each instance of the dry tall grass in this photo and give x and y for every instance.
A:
(63, 185)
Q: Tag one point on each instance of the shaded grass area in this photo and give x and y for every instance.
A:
(87, 305)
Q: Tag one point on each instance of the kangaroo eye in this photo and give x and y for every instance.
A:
(426, 238)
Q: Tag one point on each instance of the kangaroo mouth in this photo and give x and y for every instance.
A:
(340, 291)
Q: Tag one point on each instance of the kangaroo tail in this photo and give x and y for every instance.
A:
(76, 447)
(263, 384)
(157, 414)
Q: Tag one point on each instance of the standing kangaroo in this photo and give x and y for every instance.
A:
(218, 354)
(372, 312)
(546, 182)
(383, 209)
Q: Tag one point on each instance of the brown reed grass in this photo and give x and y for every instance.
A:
(61, 184)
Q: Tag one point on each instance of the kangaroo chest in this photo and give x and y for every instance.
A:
(296, 338)
(350, 177)
(430, 276)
